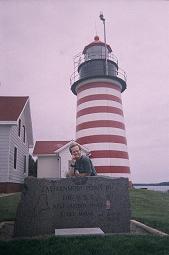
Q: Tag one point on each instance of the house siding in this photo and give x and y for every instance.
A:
(48, 167)
(65, 158)
(17, 175)
(4, 152)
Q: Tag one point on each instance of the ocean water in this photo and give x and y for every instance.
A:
(155, 188)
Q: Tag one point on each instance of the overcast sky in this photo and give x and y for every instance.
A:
(38, 41)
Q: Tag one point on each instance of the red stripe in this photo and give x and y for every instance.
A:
(99, 97)
(100, 123)
(99, 109)
(98, 85)
(102, 139)
(109, 154)
(112, 169)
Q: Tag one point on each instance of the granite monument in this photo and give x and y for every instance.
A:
(75, 202)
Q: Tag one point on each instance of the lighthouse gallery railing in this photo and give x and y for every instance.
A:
(81, 58)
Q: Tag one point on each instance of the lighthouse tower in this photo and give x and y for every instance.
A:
(98, 82)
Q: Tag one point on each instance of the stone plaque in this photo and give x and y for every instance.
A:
(76, 202)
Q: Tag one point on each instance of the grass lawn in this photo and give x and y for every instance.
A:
(8, 206)
(107, 245)
(151, 208)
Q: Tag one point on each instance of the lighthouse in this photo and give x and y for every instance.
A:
(98, 82)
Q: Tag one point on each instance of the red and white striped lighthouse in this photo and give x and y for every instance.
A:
(98, 83)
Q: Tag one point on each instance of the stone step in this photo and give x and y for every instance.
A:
(78, 231)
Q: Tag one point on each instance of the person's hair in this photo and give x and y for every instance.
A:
(73, 145)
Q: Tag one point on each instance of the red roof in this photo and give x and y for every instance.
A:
(96, 42)
(11, 107)
(48, 147)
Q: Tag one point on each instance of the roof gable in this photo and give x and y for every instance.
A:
(48, 147)
(11, 107)
(68, 144)
(53, 147)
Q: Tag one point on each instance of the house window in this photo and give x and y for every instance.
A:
(24, 164)
(19, 128)
(15, 157)
(24, 134)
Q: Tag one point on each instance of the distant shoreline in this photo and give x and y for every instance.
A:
(152, 184)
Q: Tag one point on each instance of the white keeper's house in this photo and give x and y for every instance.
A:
(54, 159)
(16, 137)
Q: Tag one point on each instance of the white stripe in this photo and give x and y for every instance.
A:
(94, 103)
(125, 175)
(110, 162)
(100, 131)
(106, 146)
(96, 91)
(99, 116)
(98, 80)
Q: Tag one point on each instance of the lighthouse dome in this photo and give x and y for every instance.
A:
(96, 49)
